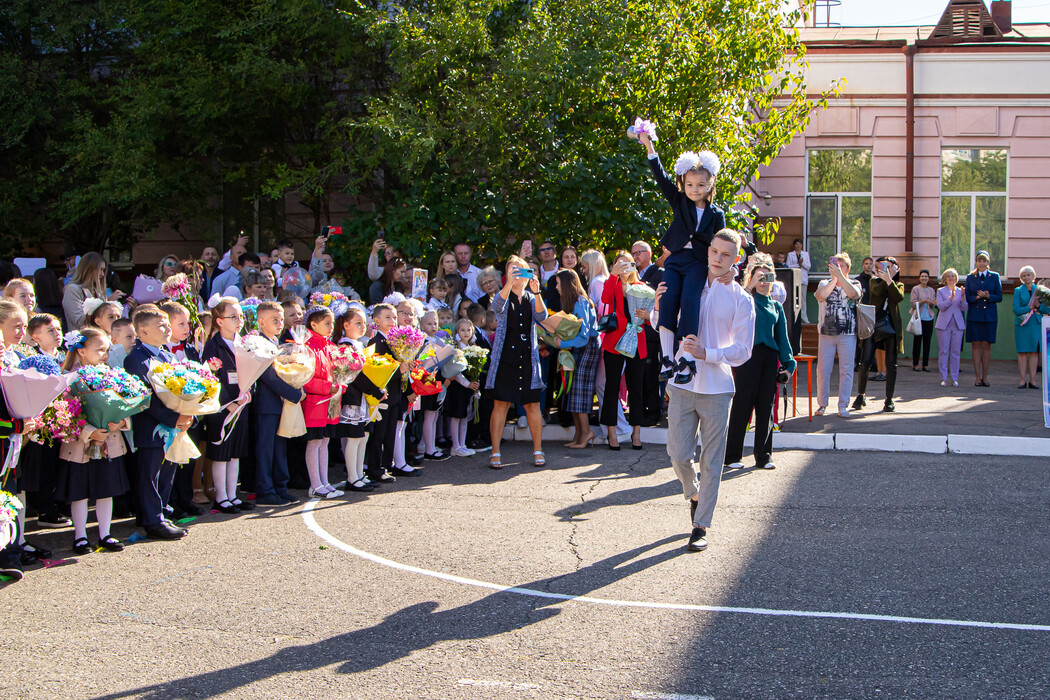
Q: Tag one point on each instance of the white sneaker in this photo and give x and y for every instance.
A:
(462, 452)
(769, 465)
(735, 465)
(470, 452)
(844, 412)
(955, 383)
(523, 422)
(944, 383)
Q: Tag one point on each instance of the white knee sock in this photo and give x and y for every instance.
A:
(667, 343)
(79, 511)
(218, 480)
(313, 468)
(399, 446)
(463, 432)
(322, 462)
(104, 514)
(457, 433)
(430, 420)
(233, 470)
(354, 456)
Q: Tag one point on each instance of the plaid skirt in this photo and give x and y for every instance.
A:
(581, 395)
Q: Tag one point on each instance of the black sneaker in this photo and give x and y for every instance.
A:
(10, 565)
(479, 445)
(859, 402)
(686, 371)
(697, 540)
(889, 406)
(53, 521)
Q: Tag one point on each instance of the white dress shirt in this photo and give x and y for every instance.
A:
(473, 291)
(800, 261)
(727, 333)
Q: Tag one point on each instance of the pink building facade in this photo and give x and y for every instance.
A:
(979, 178)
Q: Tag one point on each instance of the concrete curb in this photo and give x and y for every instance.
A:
(874, 442)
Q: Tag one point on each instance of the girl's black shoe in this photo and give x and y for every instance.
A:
(359, 486)
(81, 546)
(227, 507)
(111, 544)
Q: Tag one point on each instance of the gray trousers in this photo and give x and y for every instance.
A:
(694, 419)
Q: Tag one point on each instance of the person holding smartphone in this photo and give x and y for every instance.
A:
(756, 380)
(837, 297)
(886, 295)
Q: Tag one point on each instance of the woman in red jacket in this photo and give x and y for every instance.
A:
(624, 275)
(319, 390)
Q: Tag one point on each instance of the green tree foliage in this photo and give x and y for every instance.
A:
(508, 119)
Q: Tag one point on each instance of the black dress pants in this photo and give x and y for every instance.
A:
(756, 388)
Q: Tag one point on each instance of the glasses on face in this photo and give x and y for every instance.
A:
(547, 249)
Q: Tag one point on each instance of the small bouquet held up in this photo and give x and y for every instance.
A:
(108, 395)
(347, 363)
(189, 389)
(477, 357)
(640, 297)
(642, 126)
(178, 288)
(1041, 297)
(61, 421)
(406, 342)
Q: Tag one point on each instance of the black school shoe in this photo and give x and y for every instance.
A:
(53, 521)
(81, 546)
(697, 540)
(686, 371)
(667, 369)
(31, 554)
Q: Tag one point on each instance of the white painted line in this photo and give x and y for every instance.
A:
(999, 445)
(642, 695)
(311, 523)
(932, 444)
(497, 684)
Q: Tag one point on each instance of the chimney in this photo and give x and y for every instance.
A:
(1002, 15)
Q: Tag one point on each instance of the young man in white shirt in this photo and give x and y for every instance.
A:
(548, 262)
(699, 410)
(468, 272)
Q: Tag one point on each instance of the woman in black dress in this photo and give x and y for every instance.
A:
(515, 356)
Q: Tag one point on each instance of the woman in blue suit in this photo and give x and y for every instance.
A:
(983, 291)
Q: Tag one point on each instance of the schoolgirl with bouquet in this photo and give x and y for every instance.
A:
(353, 427)
(460, 394)
(91, 467)
(226, 443)
(319, 391)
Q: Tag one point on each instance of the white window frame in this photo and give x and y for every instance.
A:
(973, 209)
(819, 271)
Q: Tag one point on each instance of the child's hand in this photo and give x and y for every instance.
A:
(473, 386)
(184, 422)
(643, 138)
(641, 314)
(302, 394)
(334, 390)
(244, 398)
(99, 435)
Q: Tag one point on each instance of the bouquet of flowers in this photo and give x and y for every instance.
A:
(252, 354)
(31, 386)
(178, 288)
(379, 369)
(250, 309)
(642, 126)
(477, 357)
(61, 421)
(559, 325)
(455, 365)
(189, 389)
(347, 363)
(1041, 295)
(425, 383)
(437, 354)
(295, 366)
(45, 364)
(335, 301)
(9, 507)
(406, 342)
(640, 297)
(108, 395)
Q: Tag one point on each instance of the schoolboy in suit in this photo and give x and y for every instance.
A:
(271, 467)
(155, 474)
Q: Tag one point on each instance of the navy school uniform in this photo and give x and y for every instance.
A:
(271, 450)
(479, 430)
(182, 490)
(154, 475)
(354, 395)
(233, 447)
(379, 453)
(685, 269)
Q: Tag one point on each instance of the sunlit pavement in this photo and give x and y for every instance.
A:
(835, 575)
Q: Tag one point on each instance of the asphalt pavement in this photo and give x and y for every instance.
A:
(837, 575)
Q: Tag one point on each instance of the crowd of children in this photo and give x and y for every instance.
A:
(379, 433)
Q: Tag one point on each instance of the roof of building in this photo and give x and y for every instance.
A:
(1019, 33)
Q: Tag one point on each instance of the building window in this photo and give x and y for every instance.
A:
(838, 205)
(973, 207)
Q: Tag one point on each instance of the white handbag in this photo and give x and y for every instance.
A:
(914, 325)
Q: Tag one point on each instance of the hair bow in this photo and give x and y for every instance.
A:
(689, 160)
(91, 305)
(214, 300)
(74, 339)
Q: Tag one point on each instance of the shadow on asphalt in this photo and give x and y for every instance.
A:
(417, 627)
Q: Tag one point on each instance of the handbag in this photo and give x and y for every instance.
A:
(607, 323)
(914, 325)
(883, 329)
(865, 321)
